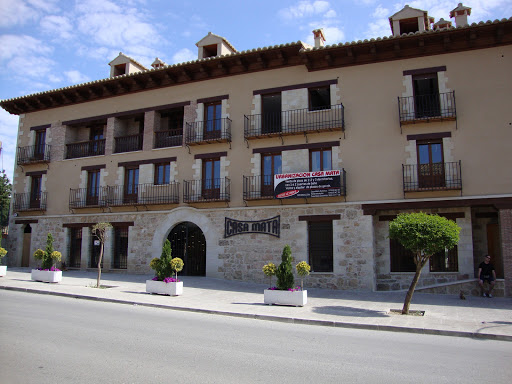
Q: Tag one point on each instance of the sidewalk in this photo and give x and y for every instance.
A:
(444, 314)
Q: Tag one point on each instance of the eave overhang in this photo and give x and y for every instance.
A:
(475, 36)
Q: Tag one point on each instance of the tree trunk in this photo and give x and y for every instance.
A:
(408, 297)
(99, 266)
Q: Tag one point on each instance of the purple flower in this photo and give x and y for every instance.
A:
(170, 280)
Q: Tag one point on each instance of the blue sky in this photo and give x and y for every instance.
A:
(50, 44)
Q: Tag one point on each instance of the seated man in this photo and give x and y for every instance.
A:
(487, 273)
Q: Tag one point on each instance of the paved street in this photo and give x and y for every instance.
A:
(48, 339)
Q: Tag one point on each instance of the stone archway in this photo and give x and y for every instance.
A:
(188, 243)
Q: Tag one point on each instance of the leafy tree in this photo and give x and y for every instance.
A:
(100, 231)
(424, 235)
(5, 198)
(285, 279)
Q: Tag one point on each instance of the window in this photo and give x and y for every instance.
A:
(426, 95)
(209, 51)
(271, 165)
(320, 249)
(95, 252)
(212, 120)
(320, 159)
(119, 69)
(120, 256)
(409, 25)
(93, 187)
(319, 98)
(211, 179)
(35, 191)
(39, 145)
(402, 260)
(75, 247)
(131, 185)
(162, 173)
(271, 113)
(97, 145)
(446, 261)
(430, 163)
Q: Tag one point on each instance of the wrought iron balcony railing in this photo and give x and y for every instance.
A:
(113, 196)
(262, 187)
(85, 149)
(197, 191)
(129, 143)
(432, 177)
(209, 131)
(29, 201)
(298, 121)
(415, 109)
(33, 154)
(169, 138)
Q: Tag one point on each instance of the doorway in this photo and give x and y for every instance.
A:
(27, 238)
(189, 244)
(494, 248)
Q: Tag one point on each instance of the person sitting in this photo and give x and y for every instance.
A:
(486, 272)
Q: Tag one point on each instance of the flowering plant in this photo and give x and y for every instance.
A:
(297, 288)
(166, 280)
(53, 269)
(48, 257)
(165, 266)
(3, 252)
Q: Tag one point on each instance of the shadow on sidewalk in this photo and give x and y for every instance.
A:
(348, 311)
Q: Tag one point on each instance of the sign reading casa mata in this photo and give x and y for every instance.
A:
(270, 227)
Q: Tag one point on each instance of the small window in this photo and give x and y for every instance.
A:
(446, 261)
(320, 248)
(320, 159)
(319, 98)
(409, 25)
(120, 69)
(210, 50)
(162, 173)
(402, 260)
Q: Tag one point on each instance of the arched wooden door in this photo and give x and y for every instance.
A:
(188, 243)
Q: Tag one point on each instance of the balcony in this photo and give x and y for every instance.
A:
(207, 132)
(295, 122)
(29, 202)
(206, 190)
(432, 177)
(115, 196)
(427, 108)
(262, 188)
(129, 143)
(33, 154)
(169, 138)
(85, 149)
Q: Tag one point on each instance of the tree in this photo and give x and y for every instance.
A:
(49, 256)
(424, 235)
(100, 231)
(5, 199)
(285, 279)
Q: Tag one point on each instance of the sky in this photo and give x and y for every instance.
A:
(50, 44)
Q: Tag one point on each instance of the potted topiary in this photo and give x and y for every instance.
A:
(3, 268)
(163, 283)
(286, 293)
(48, 273)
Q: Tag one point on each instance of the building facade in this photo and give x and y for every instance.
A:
(418, 121)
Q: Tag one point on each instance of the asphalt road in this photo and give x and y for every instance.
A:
(48, 339)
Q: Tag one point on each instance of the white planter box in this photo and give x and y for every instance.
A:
(296, 298)
(46, 276)
(3, 270)
(161, 288)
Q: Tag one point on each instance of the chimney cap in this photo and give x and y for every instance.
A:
(460, 10)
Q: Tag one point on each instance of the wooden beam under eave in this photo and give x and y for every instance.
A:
(170, 76)
(85, 93)
(222, 68)
(242, 62)
(329, 59)
(204, 70)
(141, 81)
(282, 57)
(186, 74)
(262, 60)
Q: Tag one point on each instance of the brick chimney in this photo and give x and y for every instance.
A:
(461, 14)
(319, 37)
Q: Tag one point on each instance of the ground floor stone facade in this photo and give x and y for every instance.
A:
(360, 243)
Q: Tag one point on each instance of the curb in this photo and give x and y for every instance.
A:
(291, 320)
